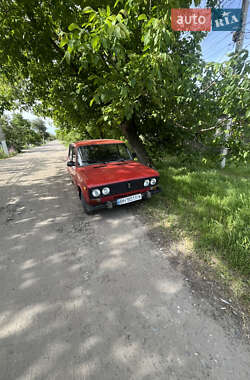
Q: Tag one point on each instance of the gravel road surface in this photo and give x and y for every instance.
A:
(91, 297)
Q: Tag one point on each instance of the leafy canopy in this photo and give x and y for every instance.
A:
(96, 66)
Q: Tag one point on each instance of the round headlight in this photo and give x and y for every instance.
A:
(96, 193)
(106, 190)
(153, 181)
(146, 182)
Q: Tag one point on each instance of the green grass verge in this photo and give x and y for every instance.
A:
(3, 155)
(211, 207)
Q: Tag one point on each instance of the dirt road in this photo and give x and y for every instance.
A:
(90, 297)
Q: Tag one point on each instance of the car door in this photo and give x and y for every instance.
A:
(72, 158)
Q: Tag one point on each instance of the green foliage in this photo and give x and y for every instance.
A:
(3, 155)
(20, 133)
(211, 205)
(130, 61)
(68, 137)
(94, 66)
(9, 93)
(39, 126)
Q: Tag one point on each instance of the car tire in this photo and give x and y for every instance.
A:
(87, 208)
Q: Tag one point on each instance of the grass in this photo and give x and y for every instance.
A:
(212, 208)
(3, 155)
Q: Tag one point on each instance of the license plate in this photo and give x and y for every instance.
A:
(132, 198)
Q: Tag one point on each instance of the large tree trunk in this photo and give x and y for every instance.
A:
(130, 132)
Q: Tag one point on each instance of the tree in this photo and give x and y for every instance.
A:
(132, 66)
(39, 126)
(225, 97)
(113, 69)
(19, 132)
(151, 81)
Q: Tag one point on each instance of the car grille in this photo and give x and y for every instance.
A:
(125, 187)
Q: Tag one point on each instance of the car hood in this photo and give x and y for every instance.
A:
(104, 174)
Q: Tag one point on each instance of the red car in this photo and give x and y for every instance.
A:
(106, 175)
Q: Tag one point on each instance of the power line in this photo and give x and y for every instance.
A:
(217, 43)
(223, 57)
(217, 34)
(217, 50)
(224, 4)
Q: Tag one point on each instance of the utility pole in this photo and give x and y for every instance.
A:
(225, 150)
(240, 35)
(3, 142)
(238, 38)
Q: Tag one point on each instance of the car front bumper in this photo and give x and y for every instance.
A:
(111, 204)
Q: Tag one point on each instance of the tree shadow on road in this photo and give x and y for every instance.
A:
(88, 297)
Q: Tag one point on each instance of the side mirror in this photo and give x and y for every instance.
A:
(134, 155)
(71, 163)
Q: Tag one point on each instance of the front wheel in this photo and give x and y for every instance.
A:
(87, 208)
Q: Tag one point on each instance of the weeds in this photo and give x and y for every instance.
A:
(211, 206)
(3, 155)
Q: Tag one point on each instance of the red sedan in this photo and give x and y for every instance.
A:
(106, 175)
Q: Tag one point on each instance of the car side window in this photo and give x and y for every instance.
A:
(72, 154)
(79, 157)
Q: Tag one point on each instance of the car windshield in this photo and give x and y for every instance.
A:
(102, 153)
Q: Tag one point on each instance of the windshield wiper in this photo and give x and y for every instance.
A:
(93, 162)
(118, 160)
(103, 162)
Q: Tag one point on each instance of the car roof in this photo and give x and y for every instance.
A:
(97, 142)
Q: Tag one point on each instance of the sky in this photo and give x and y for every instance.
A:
(215, 47)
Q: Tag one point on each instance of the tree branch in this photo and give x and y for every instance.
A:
(204, 129)
(215, 127)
